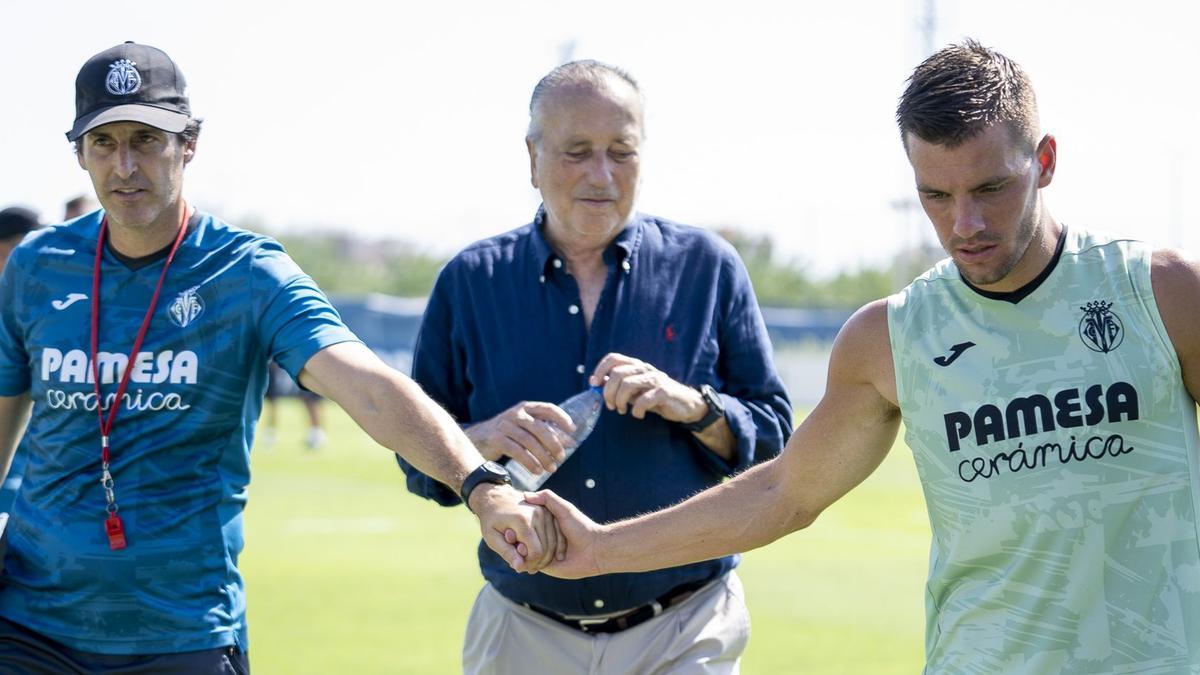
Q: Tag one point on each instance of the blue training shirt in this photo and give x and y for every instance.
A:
(232, 300)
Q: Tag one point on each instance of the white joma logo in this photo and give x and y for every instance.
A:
(72, 298)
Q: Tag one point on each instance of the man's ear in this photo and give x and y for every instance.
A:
(1047, 157)
(531, 146)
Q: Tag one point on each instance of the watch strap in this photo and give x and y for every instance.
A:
(716, 410)
(488, 472)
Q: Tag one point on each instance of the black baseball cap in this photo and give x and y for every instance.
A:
(17, 222)
(130, 83)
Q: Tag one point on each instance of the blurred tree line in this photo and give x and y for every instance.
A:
(786, 283)
(344, 264)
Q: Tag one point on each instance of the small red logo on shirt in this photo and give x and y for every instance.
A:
(670, 333)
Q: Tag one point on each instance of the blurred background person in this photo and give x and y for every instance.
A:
(15, 223)
(77, 206)
(279, 385)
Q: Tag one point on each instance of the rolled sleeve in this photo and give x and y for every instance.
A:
(760, 431)
(757, 408)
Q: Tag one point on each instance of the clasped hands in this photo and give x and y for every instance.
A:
(531, 531)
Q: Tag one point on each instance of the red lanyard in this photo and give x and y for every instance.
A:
(112, 524)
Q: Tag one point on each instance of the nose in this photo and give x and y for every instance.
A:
(968, 218)
(600, 170)
(125, 164)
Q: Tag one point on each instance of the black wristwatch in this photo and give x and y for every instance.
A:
(716, 410)
(488, 472)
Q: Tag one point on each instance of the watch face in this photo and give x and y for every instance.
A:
(488, 472)
(496, 468)
(713, 399)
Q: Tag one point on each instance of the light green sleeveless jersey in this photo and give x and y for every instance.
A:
(1057, 447)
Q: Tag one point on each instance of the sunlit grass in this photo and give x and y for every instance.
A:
(348, 573)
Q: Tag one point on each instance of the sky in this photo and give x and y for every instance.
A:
(407, 120)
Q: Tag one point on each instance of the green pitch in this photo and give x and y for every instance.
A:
(347, 572)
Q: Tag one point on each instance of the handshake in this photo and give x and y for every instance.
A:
(537, 531)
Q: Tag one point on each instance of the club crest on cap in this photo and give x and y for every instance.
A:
(123, 79)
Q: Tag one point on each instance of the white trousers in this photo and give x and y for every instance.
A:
(704, 634)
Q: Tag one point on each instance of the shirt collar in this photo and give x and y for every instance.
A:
(623, 247)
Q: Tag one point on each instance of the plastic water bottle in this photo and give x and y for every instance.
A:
(584, 410)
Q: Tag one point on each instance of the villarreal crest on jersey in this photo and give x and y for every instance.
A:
(1057, 448)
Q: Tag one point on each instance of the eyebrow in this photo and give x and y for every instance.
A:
(984, 183)
(138, 132)
(582, 140)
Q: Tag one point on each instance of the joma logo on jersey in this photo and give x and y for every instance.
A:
(187, 307)
(1027, 415)
(1100, 329)
(148, 368)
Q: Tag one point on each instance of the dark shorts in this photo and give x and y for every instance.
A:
(279, 383)
(24, 652)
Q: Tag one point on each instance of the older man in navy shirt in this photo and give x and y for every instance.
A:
(661, 314)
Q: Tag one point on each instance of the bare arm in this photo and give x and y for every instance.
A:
(1176, 281)
(14, 413)
(838, 446)
(395, 412)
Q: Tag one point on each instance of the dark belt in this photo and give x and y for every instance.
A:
(633, 617)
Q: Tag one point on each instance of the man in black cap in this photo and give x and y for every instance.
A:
(15, 223)
(123, 542)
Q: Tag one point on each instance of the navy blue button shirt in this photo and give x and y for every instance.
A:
(504, 324)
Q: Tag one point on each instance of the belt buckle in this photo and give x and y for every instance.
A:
(584, 623)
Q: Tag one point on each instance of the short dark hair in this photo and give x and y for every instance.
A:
(78, 202)
(16, 222)
(574, 73)
(964, 89)
(190, 133)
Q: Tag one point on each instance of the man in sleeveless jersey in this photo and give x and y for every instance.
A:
(1047, 379)
(141, 335)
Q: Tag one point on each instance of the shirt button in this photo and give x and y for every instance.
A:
(580, 369)
(598, 603)
(591, 483)
(557, 264)
(542, 278)
(574, 309)
(625, 265)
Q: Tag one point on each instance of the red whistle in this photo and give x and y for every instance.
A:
(115, 531)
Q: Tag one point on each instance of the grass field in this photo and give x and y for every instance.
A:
(348, 573)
